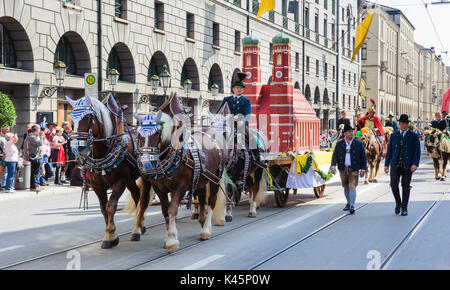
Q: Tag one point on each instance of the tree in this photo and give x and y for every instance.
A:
(7, 112)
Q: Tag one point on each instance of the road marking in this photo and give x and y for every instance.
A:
(203, 262)
(11, 248)
(302, 218)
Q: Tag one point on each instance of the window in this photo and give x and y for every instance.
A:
(333, 7)
(343, 18)
(325, 71)
(333, 31)
(316, 23)
(364, 51)
(216, 34)
(325, 4)
(255, 6)
(237, 3)
(342, 37)
(317, 67)
(363, 75)
(284, 8)
(307, 18)
(349, 78)
(7, 52)
(270, 52)
(120, 8)
(334, 72)
(354, 80)
(190, 25)
(325, 28)
(343, 76)
(159, 15)
(307, 64)
(237, 41)
(114, 62)
(343, 100)
(64, 53)
(297, 60)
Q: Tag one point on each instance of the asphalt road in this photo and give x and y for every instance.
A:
(50, 232)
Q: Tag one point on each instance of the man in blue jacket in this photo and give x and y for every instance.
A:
(403, 156)
(350, 157)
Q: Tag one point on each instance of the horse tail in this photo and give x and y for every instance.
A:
(132, 208)
(262, 188)
(221, 200)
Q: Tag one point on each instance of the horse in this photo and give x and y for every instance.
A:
(438, 147)
(176, 160)
(374, 152)
(244, 169)
(107, 156)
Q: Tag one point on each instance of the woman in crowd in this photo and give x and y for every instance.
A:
(11, 159)
(58, 155)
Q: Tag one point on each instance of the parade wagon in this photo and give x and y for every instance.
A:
(289, 172)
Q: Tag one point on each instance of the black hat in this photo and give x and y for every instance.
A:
(390, 115)
(404, 119)
(240, 82)
(444, 112)
(348, 128)
(52, 124)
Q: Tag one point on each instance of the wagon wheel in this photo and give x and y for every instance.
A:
(319, 190)
(281, 197)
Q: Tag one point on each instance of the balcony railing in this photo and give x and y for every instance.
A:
(307, 31)
(285, 22)
(317, 37)
(297, 28)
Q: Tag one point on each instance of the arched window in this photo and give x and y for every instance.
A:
(64, 53)
(279, 59)
(7, 52)
(114, 63)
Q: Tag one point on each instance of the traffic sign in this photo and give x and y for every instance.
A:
(91, 85)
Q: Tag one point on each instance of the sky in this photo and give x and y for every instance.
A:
(424, 33)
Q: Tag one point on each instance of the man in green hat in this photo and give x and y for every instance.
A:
(237, 103)
(350, 157)
(391, 123)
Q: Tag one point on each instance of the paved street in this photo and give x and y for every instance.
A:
(48, 231)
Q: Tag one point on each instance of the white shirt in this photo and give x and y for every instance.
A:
(348, 160)
(403, 133)
(11, 152)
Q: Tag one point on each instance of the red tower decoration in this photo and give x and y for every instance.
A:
(280, 112)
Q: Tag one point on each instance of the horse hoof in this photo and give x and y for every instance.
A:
(375, 181)
(438, 178)
(172, 248)
(228, 219)
(143, 229)
(135, 237)
(366, 182)
(252, 214)
(219, 223)
(194, 216)
(442, 179)
(110, 244)
(205, 236)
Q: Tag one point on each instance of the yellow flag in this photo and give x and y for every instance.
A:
(265, 6)
(361, 33)
(362, 89)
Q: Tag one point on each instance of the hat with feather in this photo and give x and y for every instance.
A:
(240, 81)
(373, 107)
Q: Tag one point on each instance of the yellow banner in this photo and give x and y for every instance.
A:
(362, 89)
(361, 33)
(265, 6)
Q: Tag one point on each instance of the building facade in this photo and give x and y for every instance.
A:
(401, 75)
(196, 40)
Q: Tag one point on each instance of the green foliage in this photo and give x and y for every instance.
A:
(7, 112)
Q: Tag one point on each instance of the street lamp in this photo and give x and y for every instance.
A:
(153, 82)
(187, 85)
(165, 79)
(113, 77)
(215, 90)
(60, 73)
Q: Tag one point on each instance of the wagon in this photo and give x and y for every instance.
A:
(279, 168)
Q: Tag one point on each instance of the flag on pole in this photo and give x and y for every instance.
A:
(362, 89)
(361, 33)
(265, 6)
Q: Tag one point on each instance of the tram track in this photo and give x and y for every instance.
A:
(183, 249)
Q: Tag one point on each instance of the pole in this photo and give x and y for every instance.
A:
(337, 61)
(99, 46)
(303, 47)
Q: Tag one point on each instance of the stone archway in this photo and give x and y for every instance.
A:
(72, 50)
(317, 96)
(215, 77)
(16, 52)
(190, 72)
(120, 58)
(308, 93)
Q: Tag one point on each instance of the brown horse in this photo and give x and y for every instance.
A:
(176, 160)
(374, 152)
(107, 156)
(438, 147)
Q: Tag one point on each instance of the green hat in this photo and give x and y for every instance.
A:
(347, 128)
(240, 81)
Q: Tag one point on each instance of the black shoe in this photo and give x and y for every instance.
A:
(397, 209)
(63, 182)
(404, 212)
(352, 210)
(347, 207)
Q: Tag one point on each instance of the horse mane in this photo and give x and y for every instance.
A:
(167, 129)
(103, 115)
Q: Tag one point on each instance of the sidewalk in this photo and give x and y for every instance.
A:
(46, 191)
